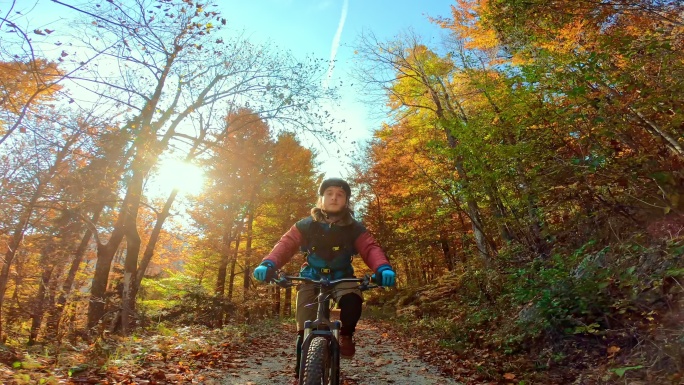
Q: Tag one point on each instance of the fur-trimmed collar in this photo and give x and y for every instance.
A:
(319, 216)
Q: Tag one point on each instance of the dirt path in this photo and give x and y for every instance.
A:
(272, 362)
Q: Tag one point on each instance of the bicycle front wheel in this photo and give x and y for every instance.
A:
(317, 363)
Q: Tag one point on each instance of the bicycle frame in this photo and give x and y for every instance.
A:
(322, 326)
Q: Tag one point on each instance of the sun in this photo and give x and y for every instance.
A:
(175, 173)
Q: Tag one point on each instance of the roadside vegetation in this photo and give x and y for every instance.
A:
(600, 315)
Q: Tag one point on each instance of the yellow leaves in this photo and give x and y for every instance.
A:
(521, 59)
(482, 39)
(649, 316)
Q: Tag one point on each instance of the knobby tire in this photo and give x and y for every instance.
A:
(317, 364)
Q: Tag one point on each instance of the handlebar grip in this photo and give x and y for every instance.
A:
(271, 275)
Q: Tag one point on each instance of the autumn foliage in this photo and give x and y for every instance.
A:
(527, 183)
(531, 171)
(91, 244)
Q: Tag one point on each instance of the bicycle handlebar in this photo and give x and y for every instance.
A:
(287, 281)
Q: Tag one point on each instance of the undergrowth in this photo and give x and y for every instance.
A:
(618, 305)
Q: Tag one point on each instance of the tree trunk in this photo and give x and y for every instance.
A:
(105, 256)
(247, 273)
(132, 252)
(39, 302)
(22, 225)
(51, 296)
(55, 315)
(541, 247)
(475, 218)
(447, 252)
(12, 247)
(154, 238)
(499, 211)
(220, 287)
(276, 301)
(287, 306)
(407, 267)
(233, 262)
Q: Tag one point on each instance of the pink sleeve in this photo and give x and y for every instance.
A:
(370, 251)
(287, 246)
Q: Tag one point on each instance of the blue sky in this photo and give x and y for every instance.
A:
(309, 26)
(312, 27)
(319, 27)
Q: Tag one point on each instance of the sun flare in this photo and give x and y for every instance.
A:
(175, 173)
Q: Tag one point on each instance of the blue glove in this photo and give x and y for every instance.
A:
(387, 276)
(261, 272)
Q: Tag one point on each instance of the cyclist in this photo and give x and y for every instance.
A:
(329, 238)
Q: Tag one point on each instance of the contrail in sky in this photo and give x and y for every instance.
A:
(336, 43)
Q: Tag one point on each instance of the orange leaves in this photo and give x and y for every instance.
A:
(20, 81)
(509, 376)
(568, 39)
(612, 351)
(468, 25)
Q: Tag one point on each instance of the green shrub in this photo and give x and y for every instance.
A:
(566, 294)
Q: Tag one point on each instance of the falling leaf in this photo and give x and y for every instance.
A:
(509, 376)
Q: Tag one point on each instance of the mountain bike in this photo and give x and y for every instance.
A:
(320, 361)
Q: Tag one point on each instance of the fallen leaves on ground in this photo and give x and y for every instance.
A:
(190, 355)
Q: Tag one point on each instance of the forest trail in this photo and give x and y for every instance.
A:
(272, 362)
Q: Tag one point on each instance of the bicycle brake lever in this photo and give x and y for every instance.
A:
(367, 286)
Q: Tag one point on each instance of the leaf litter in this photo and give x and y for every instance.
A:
(255, 355)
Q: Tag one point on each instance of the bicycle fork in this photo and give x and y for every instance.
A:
(332, 335)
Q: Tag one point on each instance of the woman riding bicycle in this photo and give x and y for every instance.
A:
(329, 238)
